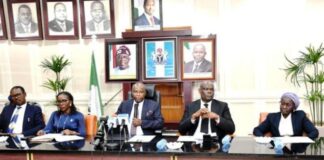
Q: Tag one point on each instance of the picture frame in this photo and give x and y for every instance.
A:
(121, 57)
(201, 50)
(140, 15)
(159, 59)
(3, 28)
(60, 19)
(97, 18)
(25, 19)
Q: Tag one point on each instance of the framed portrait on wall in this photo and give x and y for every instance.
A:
(25, 19)
(147, 15)
(198, 57)
(3, 29)
(159, 59)
(97, 18)
(121, 57)
(60, 19)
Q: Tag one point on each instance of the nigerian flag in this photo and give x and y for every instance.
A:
(95, 106)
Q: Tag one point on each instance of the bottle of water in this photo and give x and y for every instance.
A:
(161, 145)
(278, 146)
(226, 143)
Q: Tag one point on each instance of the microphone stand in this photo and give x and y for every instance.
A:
(111, 145)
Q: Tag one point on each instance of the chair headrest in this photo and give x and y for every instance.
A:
(150, 91)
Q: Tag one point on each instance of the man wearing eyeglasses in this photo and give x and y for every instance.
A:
(20, 117)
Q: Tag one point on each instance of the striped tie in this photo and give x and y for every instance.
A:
(13, 120)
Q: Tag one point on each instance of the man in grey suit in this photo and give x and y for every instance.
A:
(207, 115)
(25, 24)
(199, 64)
(99, 21)
(60, 22)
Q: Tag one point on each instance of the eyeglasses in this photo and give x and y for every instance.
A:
(62, 101)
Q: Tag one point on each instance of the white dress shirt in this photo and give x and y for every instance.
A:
(20, 120)
(285, 126)
(139, 130)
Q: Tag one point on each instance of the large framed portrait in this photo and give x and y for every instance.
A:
(198, 57)
(25, 19)
(147, 15)
(60, 19)
(159, 59)
(3, 29)
(121, 58)
(97, 18)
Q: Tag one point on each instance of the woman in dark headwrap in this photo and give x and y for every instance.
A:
(287, 122)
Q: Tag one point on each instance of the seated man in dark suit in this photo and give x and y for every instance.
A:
(20, 117)
(199, 63)
(147, 18)
(60, 22)
(207, 115)
(145, 115)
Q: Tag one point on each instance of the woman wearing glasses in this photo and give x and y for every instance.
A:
(66, 120)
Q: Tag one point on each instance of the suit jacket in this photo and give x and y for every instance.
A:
(151, 115)
(300, 124)
(20, 29)
(225, 126)
(91, 25)
(33, 119)
(142, 21)
(205, 66)
(54, 26)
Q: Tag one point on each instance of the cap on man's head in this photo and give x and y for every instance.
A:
(123, 50)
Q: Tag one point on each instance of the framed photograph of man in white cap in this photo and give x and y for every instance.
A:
(121, 57)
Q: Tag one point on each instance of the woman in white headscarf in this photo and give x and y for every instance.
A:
(289, 121)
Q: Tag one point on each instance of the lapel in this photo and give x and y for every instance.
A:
(144, 109)
(294, 125)
(276, 122)
(26, 116)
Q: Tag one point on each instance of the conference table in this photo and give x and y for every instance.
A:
(240, 148)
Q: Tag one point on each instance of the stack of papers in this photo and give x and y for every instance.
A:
(141, 138)
(186, 139)
(56, 137)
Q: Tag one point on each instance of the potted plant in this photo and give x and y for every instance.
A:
(55, 64)
(307, 70)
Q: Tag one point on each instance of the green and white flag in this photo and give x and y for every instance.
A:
(95, 106)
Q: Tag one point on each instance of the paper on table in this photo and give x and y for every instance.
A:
(3, 139)
(186, 139)
(300, 139)
(57, 137)
(141, 138)
(263, 139)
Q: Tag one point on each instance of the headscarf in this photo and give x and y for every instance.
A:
(293, 97)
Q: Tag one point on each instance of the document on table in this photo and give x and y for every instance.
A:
(300, 139)
(186, 139)
(141, 138)
(3, 139)
(56, 137)
(285, 140)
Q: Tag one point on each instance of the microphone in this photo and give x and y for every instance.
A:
(99, 138)
(122, 125)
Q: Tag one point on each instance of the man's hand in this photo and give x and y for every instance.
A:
(137, 122)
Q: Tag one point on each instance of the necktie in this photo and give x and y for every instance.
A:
(133, 128)
(63, 27)
(196, 68)
(13, 120)
(152, 20)
(204, 123)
